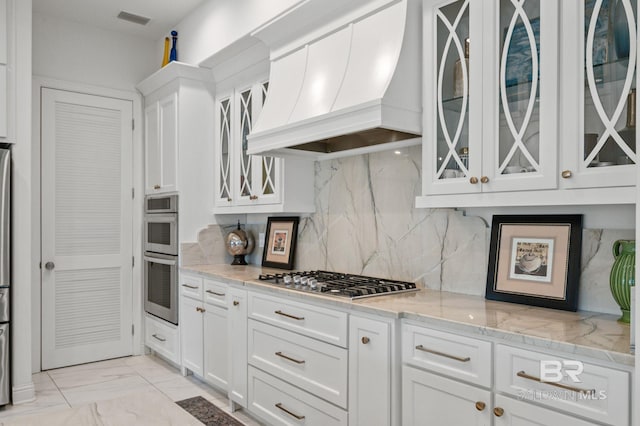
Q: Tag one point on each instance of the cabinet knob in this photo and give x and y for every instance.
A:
(498, 412)
(484, 179)
(236, 303)
(480, 405)
(229, 199)
(473, 180)
(156, 187)
(199, 309)
(365, 340)
(566, 174)
(253, 197)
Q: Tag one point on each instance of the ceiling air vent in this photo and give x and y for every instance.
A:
(136, 19)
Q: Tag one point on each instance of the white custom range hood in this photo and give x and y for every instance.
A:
(348, 87)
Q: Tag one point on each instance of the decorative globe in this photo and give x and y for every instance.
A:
(238, 244)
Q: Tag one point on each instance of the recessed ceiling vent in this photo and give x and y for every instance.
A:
(136, 19)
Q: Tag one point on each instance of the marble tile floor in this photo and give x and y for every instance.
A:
(133, 390)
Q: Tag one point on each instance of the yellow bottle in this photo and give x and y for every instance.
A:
(165, 57)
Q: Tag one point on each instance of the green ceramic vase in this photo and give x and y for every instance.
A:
(623, 275)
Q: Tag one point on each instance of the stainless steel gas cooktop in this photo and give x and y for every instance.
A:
(338, 284)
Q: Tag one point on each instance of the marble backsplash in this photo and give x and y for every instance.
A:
(366, 223)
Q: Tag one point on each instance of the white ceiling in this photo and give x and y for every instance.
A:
(102, 13)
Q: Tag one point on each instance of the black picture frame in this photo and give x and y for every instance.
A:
(279, 250)
(529, 259)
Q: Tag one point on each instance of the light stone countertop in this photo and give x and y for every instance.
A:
(595, 335)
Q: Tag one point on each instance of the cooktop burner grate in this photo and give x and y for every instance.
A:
(338, 284)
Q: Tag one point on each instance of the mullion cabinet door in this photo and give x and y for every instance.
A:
(224, 151)
(599, 136)
(520, 94)
(453, 101)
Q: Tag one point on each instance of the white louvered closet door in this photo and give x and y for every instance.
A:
(86, 228)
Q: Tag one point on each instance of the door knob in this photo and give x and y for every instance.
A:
(50, 265)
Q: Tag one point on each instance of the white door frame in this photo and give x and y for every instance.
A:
(138, 185)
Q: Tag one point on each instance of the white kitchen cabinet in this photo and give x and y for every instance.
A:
(191, 325)
(494, 116)
(216, 346)
(178, 131)
(162, 337)
(524, 115)
(253, 183)
(7, 82)
(238, 346)
(518, 413)
(598, 131)
(370, 365)
(161, 145)
(427, 397)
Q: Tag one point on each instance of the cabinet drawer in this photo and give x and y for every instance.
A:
(191, 286)
(314, 366)
(518, 372)
(452, 355)
(215, 293)
(162, 338)
(313, 321)
(279, 403)
(522, 413)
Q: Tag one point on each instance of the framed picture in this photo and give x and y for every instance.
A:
(280, 242)
(535, 260)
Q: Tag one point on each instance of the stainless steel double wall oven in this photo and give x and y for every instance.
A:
(161, 256)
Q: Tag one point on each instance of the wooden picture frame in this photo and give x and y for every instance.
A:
(280, 242)
(535, 260)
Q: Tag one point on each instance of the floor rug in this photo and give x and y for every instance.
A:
(207, 413)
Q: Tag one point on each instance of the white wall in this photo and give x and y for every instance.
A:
(80, 53)
(218, 23)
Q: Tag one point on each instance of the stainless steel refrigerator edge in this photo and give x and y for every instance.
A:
(5, 275)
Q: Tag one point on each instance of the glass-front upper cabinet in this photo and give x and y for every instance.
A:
(243, 179)
(452, 152)
(491, 96)
(600, 145)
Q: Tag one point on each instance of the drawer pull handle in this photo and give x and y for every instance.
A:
(292, 414)
(431, 351)
(199, 309)
(498, 411)
(558, 385)
(480, 406)
(214, 293)
(159, 338)
(297, 361)
(192, 287)
(289, 315)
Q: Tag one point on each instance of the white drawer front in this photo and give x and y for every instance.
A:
(518, 371)
(215, 293)
(314, 366)
(279, 403)
(452, 355)
(191, 286)
(313, 321)
(162, 338)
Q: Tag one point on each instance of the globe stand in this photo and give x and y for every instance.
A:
(238, 259)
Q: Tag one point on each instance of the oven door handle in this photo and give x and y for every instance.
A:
(160, 261)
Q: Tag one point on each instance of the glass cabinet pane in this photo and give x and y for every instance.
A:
(268, 164)
(610, 94)
(519, 85)
(246, 116)
(224, 191)
(452, 61)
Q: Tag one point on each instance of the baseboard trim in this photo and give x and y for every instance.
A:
(24, 393)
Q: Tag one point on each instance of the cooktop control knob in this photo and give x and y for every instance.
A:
(304, 281)
(296, 279)
(313, 283)
(287, 280)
